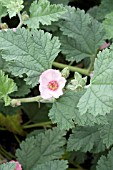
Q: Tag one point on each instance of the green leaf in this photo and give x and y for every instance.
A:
(106, 163)
(108, 25)
(64, 109)
(42, 148)
(13, 6)
(105, 7)
(85, 139)
(3, 11)
(65, 113)
(93, 11)
(98, 99)
(3, 64)
(23, 88)
(44, 13)
(7, 86)
(106, 131)
(85, 35)
(53, 165)
(29, 52)
(88, 119)
(8, 166)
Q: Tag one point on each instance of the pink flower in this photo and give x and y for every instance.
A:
(51, 84)
(18, 165)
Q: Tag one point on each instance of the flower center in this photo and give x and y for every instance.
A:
(53, 85)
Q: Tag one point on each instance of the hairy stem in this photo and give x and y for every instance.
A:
(21, 22)
(17, 102)
(71, 68)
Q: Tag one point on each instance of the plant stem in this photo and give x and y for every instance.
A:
(6, 154)
(37, 125)
(17, 139)
(71, 68)
(17, 102)
(21, 22)
(91, 66)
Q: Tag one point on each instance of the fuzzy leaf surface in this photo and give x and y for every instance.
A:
(106, 163)
(8, 166)
(42, 148)
(56, 165)
(104, 8)
(85, 34)
(13, 6)
(98, 99)
(3, 11)
(106, 131)
(7, 86)
(44, 13)
(108, 25)
(64, 110)
(85, 139)
(29, 52)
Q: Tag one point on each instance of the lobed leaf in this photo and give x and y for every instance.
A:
(3, 10)
(98, 99)
(8, 166)
(44, 13)
(105, 163)
(84, 35)
(13, 6)
(64, 110)
(85, 139)
(42, 148)
(56, 165)
(28, 52)
(106, 131)
(108, 25)
(7, 86)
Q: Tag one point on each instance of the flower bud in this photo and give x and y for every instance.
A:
(78, 83)
(65, 72)
(24, 16)
(3, 26)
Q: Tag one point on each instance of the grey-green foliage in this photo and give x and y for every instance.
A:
(64, 110)
(105, 162)
(42, 148)
(106, 131)
(53, 165)
(43, 12)
(7, 86)
(8, 166)
(23, 88)
(28, 52)
(85, 139)
(3, 11)
(83, 35)
(98, 99)
(108, 25)
(104, 8)
(13, 6)
(65, 113)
